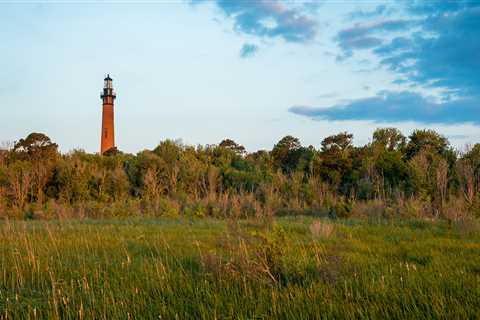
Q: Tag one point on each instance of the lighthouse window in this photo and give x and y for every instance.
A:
(106, 134)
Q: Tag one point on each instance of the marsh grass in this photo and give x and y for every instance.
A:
(211, 269)
(321, 229)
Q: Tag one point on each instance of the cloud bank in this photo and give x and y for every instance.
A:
(398, 107)
(436, 45)
(439, 47)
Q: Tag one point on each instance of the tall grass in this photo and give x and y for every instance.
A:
(209, 269)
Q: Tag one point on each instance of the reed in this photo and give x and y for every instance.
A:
(288, 268)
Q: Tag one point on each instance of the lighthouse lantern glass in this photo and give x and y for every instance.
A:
(108, 84)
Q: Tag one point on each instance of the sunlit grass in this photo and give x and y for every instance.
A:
(207, 269)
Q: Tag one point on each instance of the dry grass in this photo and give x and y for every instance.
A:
(321, 229)
(467, 226)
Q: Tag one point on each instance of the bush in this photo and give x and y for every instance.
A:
(196, 210)
(168, 208)
(341, 210)
(372, 209)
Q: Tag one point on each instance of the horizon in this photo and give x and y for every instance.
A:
(253, 72)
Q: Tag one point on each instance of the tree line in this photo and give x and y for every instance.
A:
(421, 175)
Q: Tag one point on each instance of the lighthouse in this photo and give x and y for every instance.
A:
(108, 129)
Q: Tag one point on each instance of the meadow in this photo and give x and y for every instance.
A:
(283, 268)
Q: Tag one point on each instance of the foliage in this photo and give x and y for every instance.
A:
(389, 139)
(224, 179)
(426, 140)
(35, 146)
(233, 146)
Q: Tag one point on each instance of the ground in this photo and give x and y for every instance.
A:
(289, 268)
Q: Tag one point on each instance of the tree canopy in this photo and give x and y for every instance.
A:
(224, 178)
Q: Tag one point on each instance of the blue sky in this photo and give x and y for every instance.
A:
(252, 71)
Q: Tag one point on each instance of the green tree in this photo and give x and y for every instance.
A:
(34, 147)
(428, 140)
(42, 153)
(113, 151)
(336, 162)
(233, 146)
(389, 139)
(286, 153)
(337, 143)
(469, 174)
(473, 157)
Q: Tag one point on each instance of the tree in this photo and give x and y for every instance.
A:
(389, 139)
(19, 178)
(3, 156)
(431, 177)
(393, 171)
(5, 148)
(113, 151)
(38, 149)
(263, 161)
(439, 171)
(388, 170)
(32, 173)
(428, 140)
(336, 161)
(170, 155)
(233, 146)
(337, 143)
(469, 173)
(35, 146)
(473, 157)
(73, 178)
(286, 153)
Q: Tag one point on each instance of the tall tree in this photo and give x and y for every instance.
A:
(337, 143)
(38, 149)
(427, 140)
(232, 146)
(35, 146)
(389, 139)
(285, 153)
(336, 161)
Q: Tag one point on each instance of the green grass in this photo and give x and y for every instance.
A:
(211, 269)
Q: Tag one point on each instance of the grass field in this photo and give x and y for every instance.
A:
(291, 268)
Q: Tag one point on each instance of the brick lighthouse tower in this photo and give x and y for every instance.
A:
(108, 130)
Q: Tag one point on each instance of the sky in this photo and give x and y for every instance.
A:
(253, 71)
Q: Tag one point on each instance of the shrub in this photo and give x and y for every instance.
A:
(255, 255)
(341, 210)
(196, 210)
(168, 208)
(372, 209)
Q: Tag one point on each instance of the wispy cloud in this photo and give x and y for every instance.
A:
(248, 50)
(448, 59)
(398, 107)
(380, 10)
(440, 52)
(367, 35)
(437, 46)
(270, 19)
